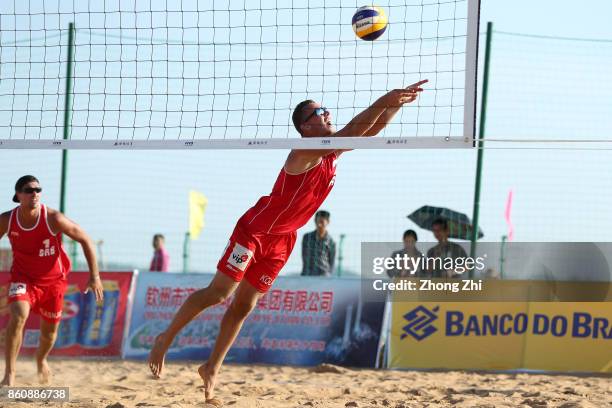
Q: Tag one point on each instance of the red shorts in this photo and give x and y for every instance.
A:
(47, 301)
(257, 257)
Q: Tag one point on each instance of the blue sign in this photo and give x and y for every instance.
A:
(300, 321)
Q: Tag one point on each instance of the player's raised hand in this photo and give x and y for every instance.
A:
(416, 87)
(414, 90)
(399, 97)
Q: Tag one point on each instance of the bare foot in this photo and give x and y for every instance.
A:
(210, 378)
(214, 402)
(44, 372)
(158, 355)
(8, 381)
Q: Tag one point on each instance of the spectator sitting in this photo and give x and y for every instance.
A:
(318, 248)
(410, 250)
(161, 259)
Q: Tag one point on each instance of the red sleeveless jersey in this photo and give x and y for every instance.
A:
(293, 200)
(38, 255)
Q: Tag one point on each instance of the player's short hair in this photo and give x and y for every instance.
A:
(23, 180)
(323, 214)
(443, 222)
(411, 233)
(158, 236)
(297, 114)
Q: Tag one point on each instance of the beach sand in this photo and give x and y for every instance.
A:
(118, 383)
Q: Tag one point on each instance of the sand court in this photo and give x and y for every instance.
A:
(116, 383)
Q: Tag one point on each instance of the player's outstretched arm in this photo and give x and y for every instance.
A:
(368, 123)
(60, 223)
(372, 120)
(389, 113)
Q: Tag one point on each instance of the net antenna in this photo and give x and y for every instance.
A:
(182, 75)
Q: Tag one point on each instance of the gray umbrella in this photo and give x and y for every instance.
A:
(459, 224)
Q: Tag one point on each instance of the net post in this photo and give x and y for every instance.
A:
(67, 107)
(186, 252)
(340, 254)
(471, 72)
(502, 255)
(480, 144)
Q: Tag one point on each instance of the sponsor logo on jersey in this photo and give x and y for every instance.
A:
(14, 234)
(51, 315)
(17, 288)
(266, 280)
(240, 257)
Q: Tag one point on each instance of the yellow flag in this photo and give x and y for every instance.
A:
(197, 207)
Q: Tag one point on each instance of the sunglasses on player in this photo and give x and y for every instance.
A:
(318, 112)
(30, 190)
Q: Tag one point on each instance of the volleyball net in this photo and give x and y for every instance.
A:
(184, 75)
(550, 87)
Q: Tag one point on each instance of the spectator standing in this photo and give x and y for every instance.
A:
(410, 250)
(161, 259)
(444, 249)
(318, 248)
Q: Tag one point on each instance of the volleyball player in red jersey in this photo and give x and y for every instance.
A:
(39, 270)
(265, 235)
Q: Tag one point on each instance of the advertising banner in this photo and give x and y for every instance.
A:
(300, 321)
(86, 328)
(557, 336)
(570, 337)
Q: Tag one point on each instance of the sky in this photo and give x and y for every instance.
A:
(538, 88)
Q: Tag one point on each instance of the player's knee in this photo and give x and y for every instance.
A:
(219, 293)
(19, 321)
(206, 297)
(49, 336)
(219, 297)
(241, 307)
(19, 317)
